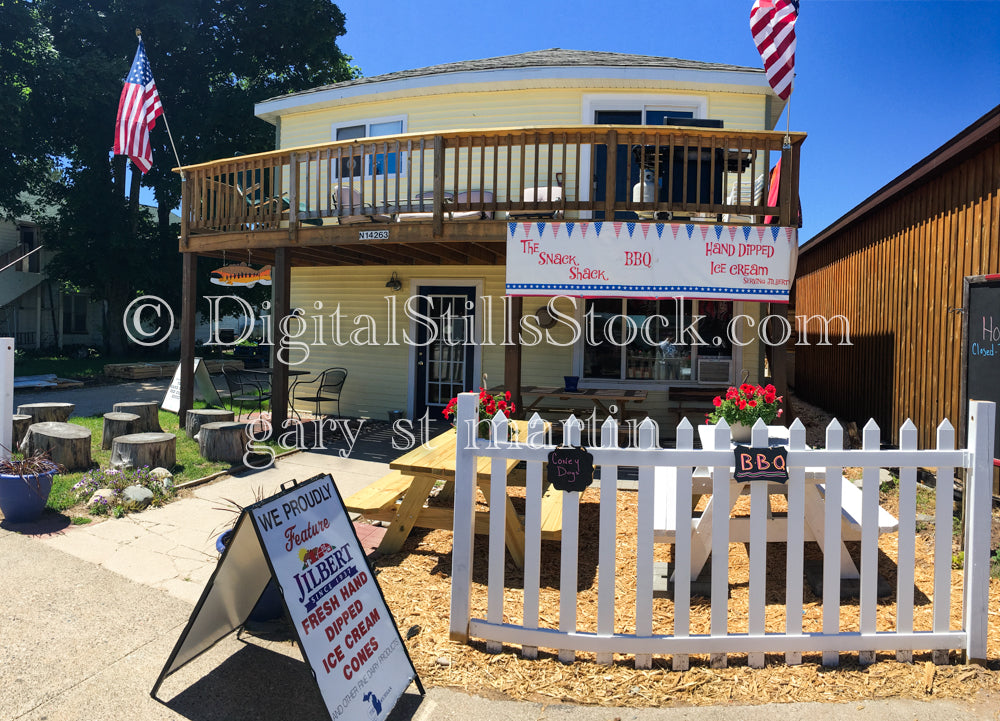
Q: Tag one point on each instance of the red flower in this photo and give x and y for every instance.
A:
(717, 401)
(769, 396)
(742, 404)
(752, 404)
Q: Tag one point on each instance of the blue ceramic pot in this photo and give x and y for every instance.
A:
(22, 500)
(268, 605)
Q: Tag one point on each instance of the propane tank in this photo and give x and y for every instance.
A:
(645, 190)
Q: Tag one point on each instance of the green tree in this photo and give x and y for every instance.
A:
(26, 158)
(211, 60)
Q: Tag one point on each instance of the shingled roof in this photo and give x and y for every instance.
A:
(553, 57)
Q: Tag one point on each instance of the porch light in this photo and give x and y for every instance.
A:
(394, 282)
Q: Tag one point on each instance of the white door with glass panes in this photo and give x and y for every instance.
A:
(445, 350)
(668, 340)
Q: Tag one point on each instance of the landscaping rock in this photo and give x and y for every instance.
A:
(137, 496)
(105, 495)
(165, 477)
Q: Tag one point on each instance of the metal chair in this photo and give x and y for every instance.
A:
(326, 388)
(247, 389)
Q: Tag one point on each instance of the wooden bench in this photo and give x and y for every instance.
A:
(379, 496)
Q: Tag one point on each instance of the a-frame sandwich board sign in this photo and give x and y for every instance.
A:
(348, 637)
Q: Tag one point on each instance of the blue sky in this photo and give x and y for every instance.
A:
(880, 84)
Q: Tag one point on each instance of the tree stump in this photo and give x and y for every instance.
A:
(21, 423)
(47, 412)
(117, 424)
(144, 449)
(148, 412)
(66, 443)
(223, 441)
(198, 417)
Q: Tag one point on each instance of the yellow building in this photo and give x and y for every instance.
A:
(424, 177)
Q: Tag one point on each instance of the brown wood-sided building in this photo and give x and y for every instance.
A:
(893, 267)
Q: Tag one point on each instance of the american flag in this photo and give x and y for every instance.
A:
(772, 23)
(138, 109)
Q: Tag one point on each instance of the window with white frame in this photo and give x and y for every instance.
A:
(638, 339)
(373, 163)
(74, 313)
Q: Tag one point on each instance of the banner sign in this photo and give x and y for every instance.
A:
(303, 538)
(651, 260)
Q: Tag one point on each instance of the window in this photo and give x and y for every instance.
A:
(374, 163)
(29, 241)
(630, 339)
(74, 314)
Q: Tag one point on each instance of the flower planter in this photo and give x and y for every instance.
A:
(268, 605)
(22, 500)
(740, 433)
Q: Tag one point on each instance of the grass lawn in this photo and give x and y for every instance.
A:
(190, 465)
(32, 363)
(65, 367)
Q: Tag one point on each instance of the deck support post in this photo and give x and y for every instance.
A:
(281, 277)
(189, 299)
(512, 355)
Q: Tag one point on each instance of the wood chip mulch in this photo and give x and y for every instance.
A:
(416, 583)
(417, 580)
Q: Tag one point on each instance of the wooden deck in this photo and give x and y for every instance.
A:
(457, 190)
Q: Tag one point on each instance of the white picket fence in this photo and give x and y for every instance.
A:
(645, 641)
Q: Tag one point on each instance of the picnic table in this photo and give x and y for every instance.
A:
(584, 400)
(400, 496)
(665, 511)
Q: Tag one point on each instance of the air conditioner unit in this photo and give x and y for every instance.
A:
(714, 370)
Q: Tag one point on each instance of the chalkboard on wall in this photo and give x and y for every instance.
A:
(981, 348)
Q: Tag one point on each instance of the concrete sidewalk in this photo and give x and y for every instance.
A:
(89, 615)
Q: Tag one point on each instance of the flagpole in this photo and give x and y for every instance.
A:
(163, 114)
(786, 142)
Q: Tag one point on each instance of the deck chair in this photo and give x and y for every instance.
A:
(553, 194)
(472, 196)
(351, 208)
(427, 200)
(326, 388)
(303, 210)
(246, 389)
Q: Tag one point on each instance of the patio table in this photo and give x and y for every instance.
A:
(665, 512)
(415, 474)
(583, 400)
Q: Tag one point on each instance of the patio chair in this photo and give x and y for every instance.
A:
(247, 389)
(539, 195)
(426, 199)
(326, 388)
(472, 196)
(349, 201)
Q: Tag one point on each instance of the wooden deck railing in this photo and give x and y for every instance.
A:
(594, 172)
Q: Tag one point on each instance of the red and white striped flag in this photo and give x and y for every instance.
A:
(772, 23)
(138, 109)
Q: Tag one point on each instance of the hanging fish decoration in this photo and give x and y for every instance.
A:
(241, 274)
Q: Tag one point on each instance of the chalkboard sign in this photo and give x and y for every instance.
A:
(981, 349)
(761, 464)
(570, 469)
